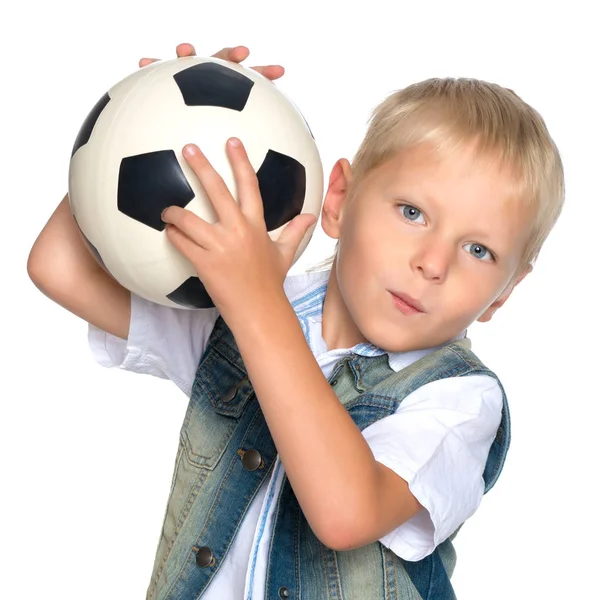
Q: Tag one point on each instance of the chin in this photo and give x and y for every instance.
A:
(394, 338)
(388, 338)
(404, 345)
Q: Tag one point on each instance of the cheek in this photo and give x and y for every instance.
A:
(357, 262)
(362, 256)
(471, 295)
(367, 233)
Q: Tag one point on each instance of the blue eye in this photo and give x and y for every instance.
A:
(411, 213)
(480, 252)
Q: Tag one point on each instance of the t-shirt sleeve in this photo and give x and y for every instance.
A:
(438, 442)
(164, 342)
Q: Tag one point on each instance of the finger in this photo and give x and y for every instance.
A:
(223, 202)
(144, 62)
(293, 233)
(185, 50)
(234, 54)
(248, 191)
(191, 225)
(271, 72)
(184, 244)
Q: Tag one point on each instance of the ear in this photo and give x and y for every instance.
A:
(489, 313)
(337, 191)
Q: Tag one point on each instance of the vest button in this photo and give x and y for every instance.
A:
(229, 395)
(204, 557)
(252, 460)
(284, 593)
(334, 382)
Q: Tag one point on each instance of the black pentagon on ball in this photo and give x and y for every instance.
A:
(192, 294)
(211, 84)
(91, 246)
(149, 183)
(88, 125)
(282, 183)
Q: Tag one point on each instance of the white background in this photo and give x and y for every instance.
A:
(87, 453)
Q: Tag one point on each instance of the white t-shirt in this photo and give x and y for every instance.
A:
(437, 441)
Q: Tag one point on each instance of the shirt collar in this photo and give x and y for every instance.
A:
(306, 293)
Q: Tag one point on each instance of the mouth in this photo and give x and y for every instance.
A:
(406, 304)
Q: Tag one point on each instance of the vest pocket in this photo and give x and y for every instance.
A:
(220, 394)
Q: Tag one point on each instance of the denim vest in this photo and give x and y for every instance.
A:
(226, 452)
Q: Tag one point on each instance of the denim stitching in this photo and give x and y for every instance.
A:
(261, 532)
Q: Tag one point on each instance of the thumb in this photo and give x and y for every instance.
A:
(291, 236)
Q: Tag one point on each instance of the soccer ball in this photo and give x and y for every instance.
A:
(126, 167)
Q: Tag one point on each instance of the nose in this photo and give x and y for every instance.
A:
(432, 260)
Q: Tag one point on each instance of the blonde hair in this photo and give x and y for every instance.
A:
(453, 112)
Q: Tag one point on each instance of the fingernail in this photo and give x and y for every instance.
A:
(234, 142)
(190, 149)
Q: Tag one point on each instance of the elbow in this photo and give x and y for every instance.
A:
(39, 271)
(339, 543)
(35, 266)
(48, 268)
(42, 272)
(347, 521)
(341, 533)
(37, 261)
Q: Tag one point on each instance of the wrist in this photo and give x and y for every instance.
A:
(251, 316)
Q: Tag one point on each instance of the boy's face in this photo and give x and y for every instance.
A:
(446, 234)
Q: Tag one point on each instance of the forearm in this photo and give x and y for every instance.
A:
(329, 464)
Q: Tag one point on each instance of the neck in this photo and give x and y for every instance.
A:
(338, 329)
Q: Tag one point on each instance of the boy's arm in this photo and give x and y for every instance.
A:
(63, 268)
(348, 497)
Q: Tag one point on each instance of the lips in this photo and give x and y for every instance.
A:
(406, 303)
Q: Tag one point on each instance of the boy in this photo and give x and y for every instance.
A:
(339, 429)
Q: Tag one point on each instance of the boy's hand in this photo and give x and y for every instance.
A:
(241, 267)
(237, 55)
